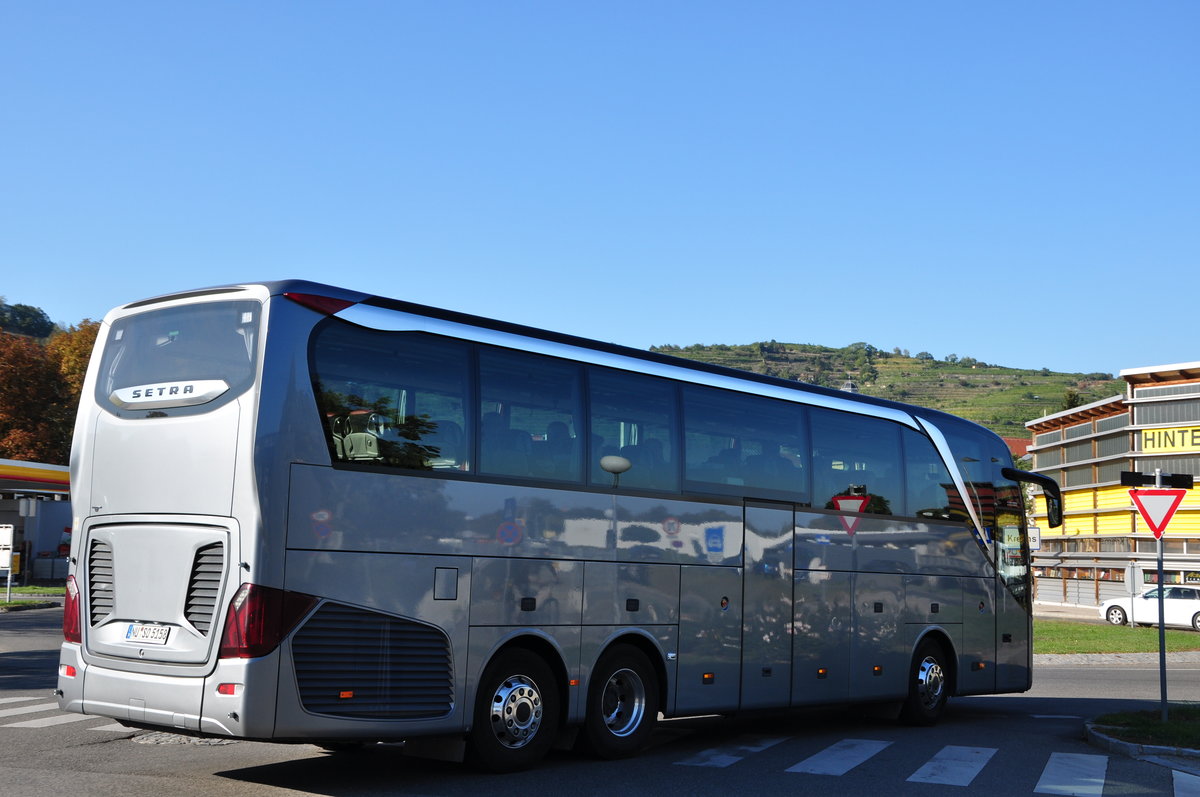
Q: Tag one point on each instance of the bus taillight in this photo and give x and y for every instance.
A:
(71, 628)
(322, 304)
(259, 618)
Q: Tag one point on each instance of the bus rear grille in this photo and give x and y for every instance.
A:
(100, 581)
(208, 568)
(355, 663)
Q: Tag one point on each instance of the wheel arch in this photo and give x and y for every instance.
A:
(543, 648)
(939, 636)
(649, 648)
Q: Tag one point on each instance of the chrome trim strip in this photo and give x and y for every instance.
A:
(159, 395)
(397, 321)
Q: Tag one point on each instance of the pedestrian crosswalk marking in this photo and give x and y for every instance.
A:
(1075, 774)
(840, 758)
(46, 722)
(12, 712)
(4, 700)
(731, 754)
(954, 765)
(1185, 785)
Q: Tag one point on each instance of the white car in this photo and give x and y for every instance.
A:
(1181, 607)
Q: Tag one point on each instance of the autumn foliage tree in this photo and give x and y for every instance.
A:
(39, 392)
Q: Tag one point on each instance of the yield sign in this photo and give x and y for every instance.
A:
(1157, 507)
(850, 503)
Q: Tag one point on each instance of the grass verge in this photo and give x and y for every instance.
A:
(1182, 728)
(27, 592)
(1064, 636)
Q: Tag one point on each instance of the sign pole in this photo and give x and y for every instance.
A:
(1156, 507)
(1162, 616)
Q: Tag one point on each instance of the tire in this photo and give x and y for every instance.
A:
(622, 704)
(516, 713)
(928, 689)
(1196, 621)
(1116, 615)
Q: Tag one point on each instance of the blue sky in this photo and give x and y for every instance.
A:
(1015, 182)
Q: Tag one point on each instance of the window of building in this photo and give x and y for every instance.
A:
(1081, 430)
(1172, 412)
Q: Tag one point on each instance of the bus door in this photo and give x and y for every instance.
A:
(767, 605)
(1010, 542)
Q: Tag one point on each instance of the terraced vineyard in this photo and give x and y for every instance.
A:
(1000, 398)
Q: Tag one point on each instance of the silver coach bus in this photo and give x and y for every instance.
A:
(303, 513)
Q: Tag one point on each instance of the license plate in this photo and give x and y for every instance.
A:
(146, 634)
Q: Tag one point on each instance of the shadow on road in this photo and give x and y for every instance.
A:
(384, 769)
(29, 669)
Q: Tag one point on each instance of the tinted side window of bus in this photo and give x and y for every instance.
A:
(745, 445)
(928, 487)
(393, 399)
(634, 417)
(530, 410)
(856, 456)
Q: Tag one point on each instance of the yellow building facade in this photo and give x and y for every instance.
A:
(1104, 549)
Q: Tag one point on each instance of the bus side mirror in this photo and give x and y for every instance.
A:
(1050, 491)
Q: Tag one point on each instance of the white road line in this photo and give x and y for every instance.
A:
(954, 766)
(4, 700)
(46, 722)
(731, 753)
(1185, 785)
(1073, 773)
(840, 758)
(12, 712)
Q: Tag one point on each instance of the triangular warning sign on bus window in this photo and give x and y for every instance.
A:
(1157, 507)
(850, 503)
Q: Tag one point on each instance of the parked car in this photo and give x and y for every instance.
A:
(1181, 607)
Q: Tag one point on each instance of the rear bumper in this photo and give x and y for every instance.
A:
(185, 703)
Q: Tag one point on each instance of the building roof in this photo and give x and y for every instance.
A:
(1019, 446)
(1178, 372)
(1097, 409)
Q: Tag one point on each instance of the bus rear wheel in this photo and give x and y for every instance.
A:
(516, 713)
(622, 704)
(928, 689)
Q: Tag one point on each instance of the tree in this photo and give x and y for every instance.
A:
(924, 355)
(1071, 399)
(71, 349)
(36, 412)
(25, 320)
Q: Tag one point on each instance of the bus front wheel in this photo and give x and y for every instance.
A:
(516, 713)
(928, 688)
(622, 707)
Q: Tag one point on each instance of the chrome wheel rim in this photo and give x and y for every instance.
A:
(931, 682)
(516, 711)
(623, 702)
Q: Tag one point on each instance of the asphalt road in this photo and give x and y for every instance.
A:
(996, 745)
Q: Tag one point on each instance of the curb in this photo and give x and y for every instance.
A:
(29, 605)
(1175, 757)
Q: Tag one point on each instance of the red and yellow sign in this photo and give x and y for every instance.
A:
(17, 475)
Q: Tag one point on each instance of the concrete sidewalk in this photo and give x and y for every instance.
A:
(1066, 611)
